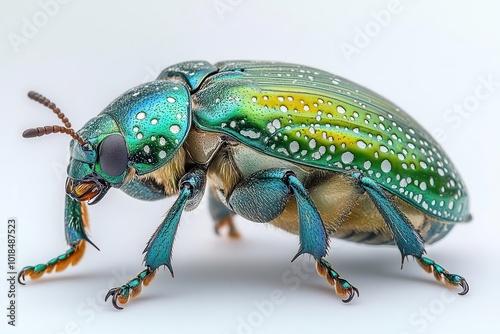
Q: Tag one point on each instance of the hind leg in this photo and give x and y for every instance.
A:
(405, 236)
(222, 215)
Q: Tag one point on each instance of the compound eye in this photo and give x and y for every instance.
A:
(113, 155)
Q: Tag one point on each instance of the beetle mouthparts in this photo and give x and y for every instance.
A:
(91, 191)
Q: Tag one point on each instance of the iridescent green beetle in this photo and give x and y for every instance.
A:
(305, 150)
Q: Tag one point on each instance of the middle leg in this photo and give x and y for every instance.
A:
(263, 196)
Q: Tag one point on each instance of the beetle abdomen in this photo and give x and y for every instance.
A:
(347, 213)
(315, 118)
(350, 215)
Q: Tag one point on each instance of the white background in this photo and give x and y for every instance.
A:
(427, 56)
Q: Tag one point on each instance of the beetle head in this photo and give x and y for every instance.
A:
(100, 163)
(138, 132)
(99, 156)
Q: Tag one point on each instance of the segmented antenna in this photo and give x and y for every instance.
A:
(46, 130)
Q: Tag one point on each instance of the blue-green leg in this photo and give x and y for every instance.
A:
(263, 196)
(75, 223)
(405, 236)
(442, 275)
(158, 251)
(222, 215)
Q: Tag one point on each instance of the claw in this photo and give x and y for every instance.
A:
(131, 289)
(463, 283)
(21, 277)
(443, 275)
(351, 294)
(342, 287)
(114, 292)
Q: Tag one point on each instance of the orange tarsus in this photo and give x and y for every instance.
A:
(149, 278)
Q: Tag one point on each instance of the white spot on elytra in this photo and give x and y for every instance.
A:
(141, 115)
(146, 149)
(250, 134)
(361, 144)
(294, 146)
(340, 110)
(277, 123)
(386, 166)
(162, 154)
(312, 143)
(347, 157)
(162, 141)
(170, 99)
(175, 129)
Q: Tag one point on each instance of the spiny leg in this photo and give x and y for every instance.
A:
(406, 237)
(404, 234)
(263, 196)
(159, 248)
(75, 224)
(222, 215)
(442, 275)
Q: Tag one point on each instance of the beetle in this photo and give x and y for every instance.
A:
(305, 150)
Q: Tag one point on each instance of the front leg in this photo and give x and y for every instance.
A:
(263, 196)
(158, 251)
(75, 225)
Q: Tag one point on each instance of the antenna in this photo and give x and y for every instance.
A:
(46, 130)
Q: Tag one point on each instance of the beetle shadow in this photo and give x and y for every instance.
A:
(51, 278)
(239, 270)
(228, 277)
